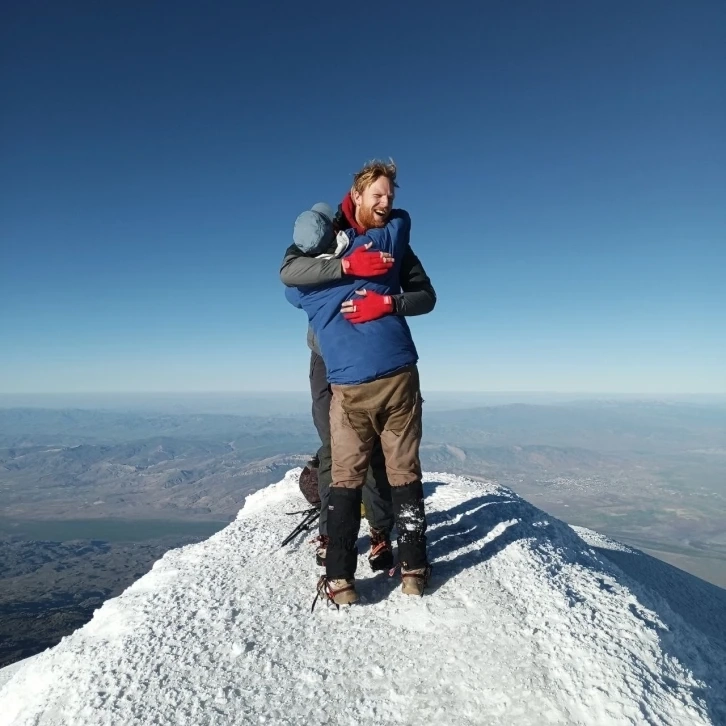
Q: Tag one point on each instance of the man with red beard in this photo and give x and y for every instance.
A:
(368, 207)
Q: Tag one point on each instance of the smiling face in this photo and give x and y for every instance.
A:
(373, 205)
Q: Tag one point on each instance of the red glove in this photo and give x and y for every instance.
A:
(370, 306)
(366, 263)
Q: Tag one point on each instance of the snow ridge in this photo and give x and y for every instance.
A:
(525, 623)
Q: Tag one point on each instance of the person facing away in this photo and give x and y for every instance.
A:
(371, 368)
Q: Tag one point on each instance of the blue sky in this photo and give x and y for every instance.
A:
(564, 165)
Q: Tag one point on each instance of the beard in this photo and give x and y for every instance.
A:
(368, 219)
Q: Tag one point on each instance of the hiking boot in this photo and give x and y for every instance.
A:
(321, 549)
(342, 592)
(415, 581)
(339, 592)
(381, 555)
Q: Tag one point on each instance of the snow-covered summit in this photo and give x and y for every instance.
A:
(527, 621)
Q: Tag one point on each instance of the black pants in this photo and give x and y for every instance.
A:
(377, 490)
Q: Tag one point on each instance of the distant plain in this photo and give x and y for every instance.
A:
(93, 491)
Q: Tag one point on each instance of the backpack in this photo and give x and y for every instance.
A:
(308, 482)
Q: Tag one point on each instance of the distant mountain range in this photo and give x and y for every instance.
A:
(89, 499)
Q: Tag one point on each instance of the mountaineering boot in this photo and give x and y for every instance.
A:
(415, 581)
(408, 508)
(341, 557)
(339, 592)
(381, 555)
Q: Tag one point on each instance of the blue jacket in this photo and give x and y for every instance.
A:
(362, 352)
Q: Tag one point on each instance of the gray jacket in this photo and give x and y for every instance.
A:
(418, 296)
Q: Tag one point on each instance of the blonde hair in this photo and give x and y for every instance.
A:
(372, 172)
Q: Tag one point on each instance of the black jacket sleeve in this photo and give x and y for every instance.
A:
(299, 269)
(418, 296)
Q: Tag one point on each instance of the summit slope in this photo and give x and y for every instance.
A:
(525, 622)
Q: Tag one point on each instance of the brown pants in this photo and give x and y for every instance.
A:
(389, 407)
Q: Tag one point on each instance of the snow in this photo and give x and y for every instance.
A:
(524, 623)
(595, 539)
(9, 671)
